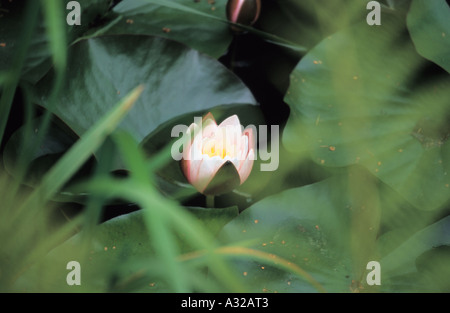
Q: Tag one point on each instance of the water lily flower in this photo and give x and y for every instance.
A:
(218, 158)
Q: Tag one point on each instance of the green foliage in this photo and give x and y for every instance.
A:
(354, 101)
(86, 114)
(113, 70)
(428, 24)
(205, 31)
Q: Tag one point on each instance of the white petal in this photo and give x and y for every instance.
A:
(197, 147)
(193, 167)
(209, 128)
(229, 138)
(246, 167)
(232, 120)
(207, 170)
(236, 162)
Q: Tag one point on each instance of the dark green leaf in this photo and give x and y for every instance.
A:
(308, 226)
(38, 60)
(414, 265)
(207, 34)
(429, 26)
(402, 260)
(178, 81)
(214, 219)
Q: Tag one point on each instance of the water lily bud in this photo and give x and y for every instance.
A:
(244, 12)
(218, 158)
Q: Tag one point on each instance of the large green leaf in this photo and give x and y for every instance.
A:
(355, 99)
(178, 81)
(119, 257)
(331, 230)
(204, 32)
(319, 228)
(402, 260)
(411, 259)
(429, 27)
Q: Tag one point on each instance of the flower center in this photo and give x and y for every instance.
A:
(213, 147)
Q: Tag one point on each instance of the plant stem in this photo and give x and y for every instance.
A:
(210, 202)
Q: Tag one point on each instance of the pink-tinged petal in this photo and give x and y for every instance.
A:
(251, 140)
(191, 166)
(189, 140)
(234, 11)
(194, 168)
(243, 12)
(243, 148)
(209, 125)
(206, 172)
(192, 152)
(246, 166)
(208, 116)
(187, 151)
(185, 168)
(248, 154)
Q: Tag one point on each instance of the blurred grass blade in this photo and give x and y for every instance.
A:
(55, 28)
(82, 150)
(133, 157)
(156, 221)
(54, 17)
(95, 203)
(57, 42)
(54, 22)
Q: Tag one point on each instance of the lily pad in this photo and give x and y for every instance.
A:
(206, 31)
(429, 27)
(412, 260)
(355, 99)
(309, 227)
(331, 230)
(177, 81)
